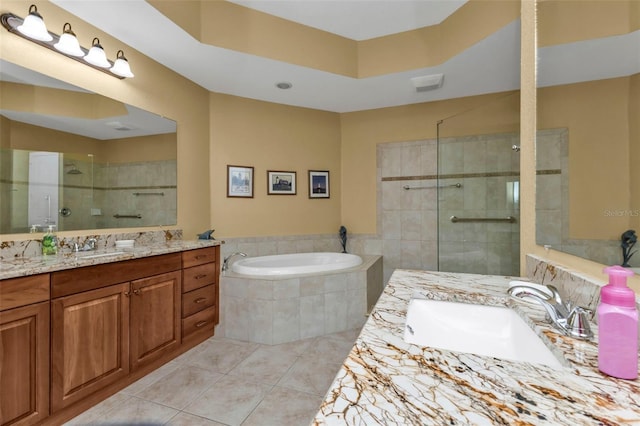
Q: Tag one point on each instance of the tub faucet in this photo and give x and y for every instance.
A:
(225, 263)
(570, 320)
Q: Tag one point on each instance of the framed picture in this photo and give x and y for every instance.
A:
(240, 181)
(281, 183)
(318, 184)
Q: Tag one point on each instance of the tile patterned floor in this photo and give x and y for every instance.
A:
(229, 382)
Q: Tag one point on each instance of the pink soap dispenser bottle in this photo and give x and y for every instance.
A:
(618, 326)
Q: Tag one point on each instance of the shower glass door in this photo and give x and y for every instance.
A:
(478, 188)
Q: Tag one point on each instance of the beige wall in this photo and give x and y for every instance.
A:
(269, 136)
(18, 135)
(597, 116)
(562, 21)
(46, 100)
(155, 89)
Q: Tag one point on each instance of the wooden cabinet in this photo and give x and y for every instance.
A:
(90, 341)
(100, 335)
(73, 337)
(155, 317)
(24, 350)
(200, 289)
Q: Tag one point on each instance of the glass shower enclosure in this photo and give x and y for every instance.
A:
(478, 189)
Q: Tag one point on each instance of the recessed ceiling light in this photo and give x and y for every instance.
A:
(284, 85)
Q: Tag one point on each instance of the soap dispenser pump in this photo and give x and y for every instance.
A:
(49, 242)
(618, 326)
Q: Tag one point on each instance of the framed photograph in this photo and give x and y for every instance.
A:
(318, 184)
(281, 183)
(240, 181)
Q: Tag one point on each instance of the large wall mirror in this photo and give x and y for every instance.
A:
(78, 160)
(588, 117)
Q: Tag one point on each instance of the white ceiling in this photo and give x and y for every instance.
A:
(359, 19)
(490, 66)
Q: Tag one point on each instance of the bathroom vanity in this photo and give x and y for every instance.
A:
(77, 328)
(387, 381)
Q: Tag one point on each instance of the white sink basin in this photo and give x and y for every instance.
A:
(482, 330)
(97, 255)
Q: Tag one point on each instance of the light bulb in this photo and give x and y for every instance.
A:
(68, 42)
(121, 66)
(33, 26)
(96, 55)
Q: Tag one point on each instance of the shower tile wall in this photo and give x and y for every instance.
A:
(78, 196)
(117, 186)
(407, 219)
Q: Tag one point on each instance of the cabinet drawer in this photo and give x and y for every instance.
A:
(203, 320)
(197, 300)
(198, 276)
(24, 291)
(71, 281)
(198, 257)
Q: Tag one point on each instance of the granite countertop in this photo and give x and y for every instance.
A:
(385, 381)
(23, 266)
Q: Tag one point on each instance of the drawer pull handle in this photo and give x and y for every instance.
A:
(201, 276)
(200, 300)
(201, 324)
(201, 256)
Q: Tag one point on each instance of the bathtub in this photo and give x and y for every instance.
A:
(294, 264)
(275, 309)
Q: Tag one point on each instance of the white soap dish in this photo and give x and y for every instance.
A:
(125, 243)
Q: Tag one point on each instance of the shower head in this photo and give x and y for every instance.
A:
(73, 170)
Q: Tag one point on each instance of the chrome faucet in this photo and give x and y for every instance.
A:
(571, 320)
(90, 244)
(225, 263)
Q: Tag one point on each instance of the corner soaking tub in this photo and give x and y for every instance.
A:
(293, 264)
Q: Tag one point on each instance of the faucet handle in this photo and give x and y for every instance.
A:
(578, 323)
(91, 242)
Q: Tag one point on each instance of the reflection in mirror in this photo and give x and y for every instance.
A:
(588, 142)
(78, 160)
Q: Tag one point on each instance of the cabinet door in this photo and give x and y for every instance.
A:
(24, 364)
(155, 317)
(90, 342)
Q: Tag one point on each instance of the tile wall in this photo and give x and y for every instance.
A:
(477, 175)
(96, 194)
(144, 188)
(280, 310)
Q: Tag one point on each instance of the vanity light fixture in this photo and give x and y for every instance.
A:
(96, 55)
(121, 66)
(33, 28)
(68, 42)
